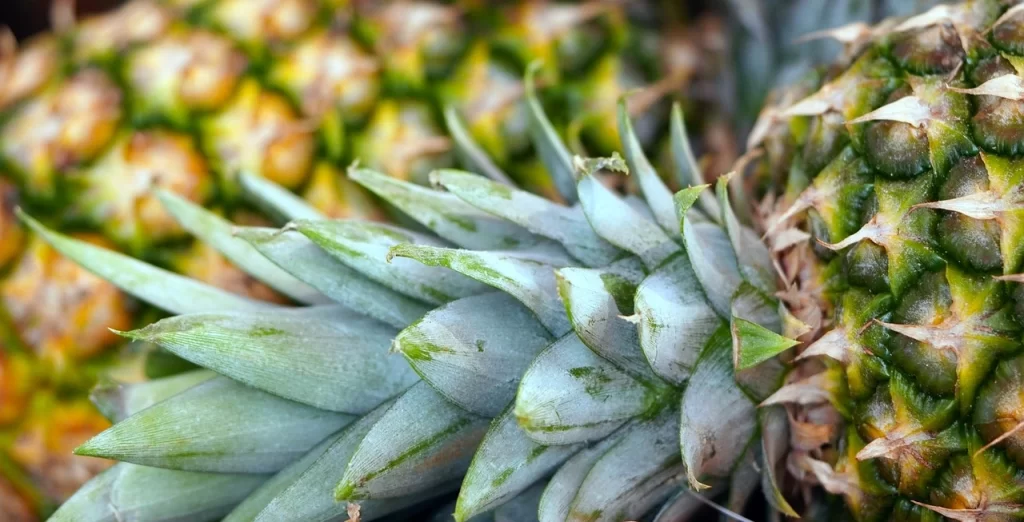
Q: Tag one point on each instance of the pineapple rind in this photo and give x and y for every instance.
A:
(904, 182)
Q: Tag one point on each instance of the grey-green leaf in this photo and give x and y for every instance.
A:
(218, 233)
(687, 170)
(569, 394)
(615, 220)
(566, 225)
(680, 508)
(295, 253)
(275, 200)
(474, 350)
(326, 357)
(421, 442)
(470, 154)
(130, 493)
(713, 262)
(506, 464)
(448, 216)
(529, 278)
(774, 447)
(675, 320)
(596, 299)
(161, 288)
(658, 196)
(522, 508)
(218, 426)
(549, 146)
(717, 419)
(755, 261)
(119, 401)
(304, 491)
(561, 490)
(636, 474)
(364, 247)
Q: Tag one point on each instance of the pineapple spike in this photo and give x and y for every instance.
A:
(996, 441)
(1007, 86)
(909, 109)
(848, 35)
(976, 514)
(811, 390)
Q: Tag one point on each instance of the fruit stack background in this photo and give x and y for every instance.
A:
(184, 94)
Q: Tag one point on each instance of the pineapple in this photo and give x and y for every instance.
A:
(626, 357)
(903, 166)
(601, 361)
(188, 95)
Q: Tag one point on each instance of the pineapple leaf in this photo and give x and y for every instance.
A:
(340, 356)
(774, 446)
(615, 221)
(422, 443)
(472, 156)
(474, 350)
(683, 506)
(567, 226)
(305, 490)
(506, 464)
(169, 291)
(717, 419)
(120, 401)
(523, 507)
(675, 320)
(569, 394)
(295, 253)
(687, 170)
(130, 492)
(219, 426)
(634, 475)
(563, 487)
(755, 261)
(447, 215)
(761, 380)
(364, 247)
(276, 200)
(528, 278)
(595, 302)
(743, 482)
(684, 200)
(658, 196)
(549, 146)
(219, 234)
(713, 262)
(753, 344)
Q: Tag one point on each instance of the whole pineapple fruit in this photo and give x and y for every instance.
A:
(902, 164)
(185, 95)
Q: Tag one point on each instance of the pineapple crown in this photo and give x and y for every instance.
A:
(592, 361)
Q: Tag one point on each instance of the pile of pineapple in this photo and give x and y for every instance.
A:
(185, 96)
(835, 324)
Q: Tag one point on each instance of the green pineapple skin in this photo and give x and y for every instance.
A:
(917, 269)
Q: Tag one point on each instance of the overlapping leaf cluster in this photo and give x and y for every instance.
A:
(587, 362)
